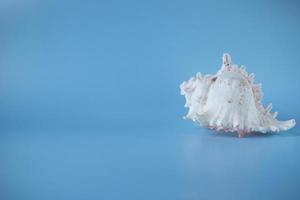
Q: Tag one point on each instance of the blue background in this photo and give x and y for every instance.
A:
(90, 105)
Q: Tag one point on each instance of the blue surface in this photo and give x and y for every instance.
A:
(90, 105)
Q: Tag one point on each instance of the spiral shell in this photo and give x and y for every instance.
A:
(230, 101)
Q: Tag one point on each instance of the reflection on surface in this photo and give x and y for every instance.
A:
(143, 164)
(260, 166)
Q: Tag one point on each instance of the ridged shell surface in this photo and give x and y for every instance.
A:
(230, 101)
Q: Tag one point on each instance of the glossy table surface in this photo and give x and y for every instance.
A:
(162, 164)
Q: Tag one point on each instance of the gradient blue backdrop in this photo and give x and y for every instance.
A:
(90, 105)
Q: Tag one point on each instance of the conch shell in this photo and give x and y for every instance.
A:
(230, 101)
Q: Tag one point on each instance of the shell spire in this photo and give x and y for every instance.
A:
(226, 59)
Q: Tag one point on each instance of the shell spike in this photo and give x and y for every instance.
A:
(226, 59)
(274, 115)
(251, 77)
(243, 71)
(199, 75)
(269, 108)
(258, 86)
(242, 68)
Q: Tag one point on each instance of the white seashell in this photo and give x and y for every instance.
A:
(230, 101)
